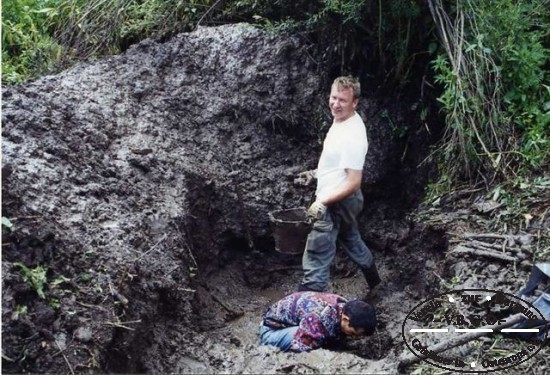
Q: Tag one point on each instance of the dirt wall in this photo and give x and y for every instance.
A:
(133, 180)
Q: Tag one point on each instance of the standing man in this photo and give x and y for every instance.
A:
(338, 196)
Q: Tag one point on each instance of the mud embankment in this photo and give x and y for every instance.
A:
(138, 187)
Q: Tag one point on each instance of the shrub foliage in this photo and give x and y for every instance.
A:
(496, 94)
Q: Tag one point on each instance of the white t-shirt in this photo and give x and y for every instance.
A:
(345, 147)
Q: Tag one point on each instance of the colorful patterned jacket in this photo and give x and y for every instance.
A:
(317, 315)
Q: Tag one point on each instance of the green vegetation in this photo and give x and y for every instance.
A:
(521, 202)
(28, 49)
(81, 29)
(37, 279)
(34, 277)
(20, 310)
(44, 36)
(486, 61)
(7, 223)
(495, 92)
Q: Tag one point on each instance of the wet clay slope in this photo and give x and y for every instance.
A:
(128, 178)
(119, 177)
(159, 127)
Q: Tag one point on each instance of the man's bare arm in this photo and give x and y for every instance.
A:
(345, 189)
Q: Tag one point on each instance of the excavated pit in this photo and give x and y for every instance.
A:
(232, 293)
(142, 183)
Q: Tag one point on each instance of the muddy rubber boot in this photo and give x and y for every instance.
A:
(373, 279)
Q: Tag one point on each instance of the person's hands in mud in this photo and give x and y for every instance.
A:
(305, 178)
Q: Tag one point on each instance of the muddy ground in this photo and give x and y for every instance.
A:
(140, 186)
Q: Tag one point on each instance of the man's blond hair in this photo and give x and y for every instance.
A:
(348, 82)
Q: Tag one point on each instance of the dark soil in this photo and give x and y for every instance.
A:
(141, 185)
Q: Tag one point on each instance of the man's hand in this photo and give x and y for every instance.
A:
(316, 211)
(305, 178)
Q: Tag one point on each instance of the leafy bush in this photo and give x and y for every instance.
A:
(27, 48)
(496, 96)
(99, 27)
(517, 30)
(42, 36)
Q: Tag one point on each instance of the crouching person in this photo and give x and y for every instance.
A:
(305, 321)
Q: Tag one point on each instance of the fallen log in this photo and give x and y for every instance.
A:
(486, 253)
(501, 247)
(409, 359)
(488, 235)
(510, 239)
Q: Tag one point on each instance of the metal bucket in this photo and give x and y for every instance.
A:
(290, 230)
